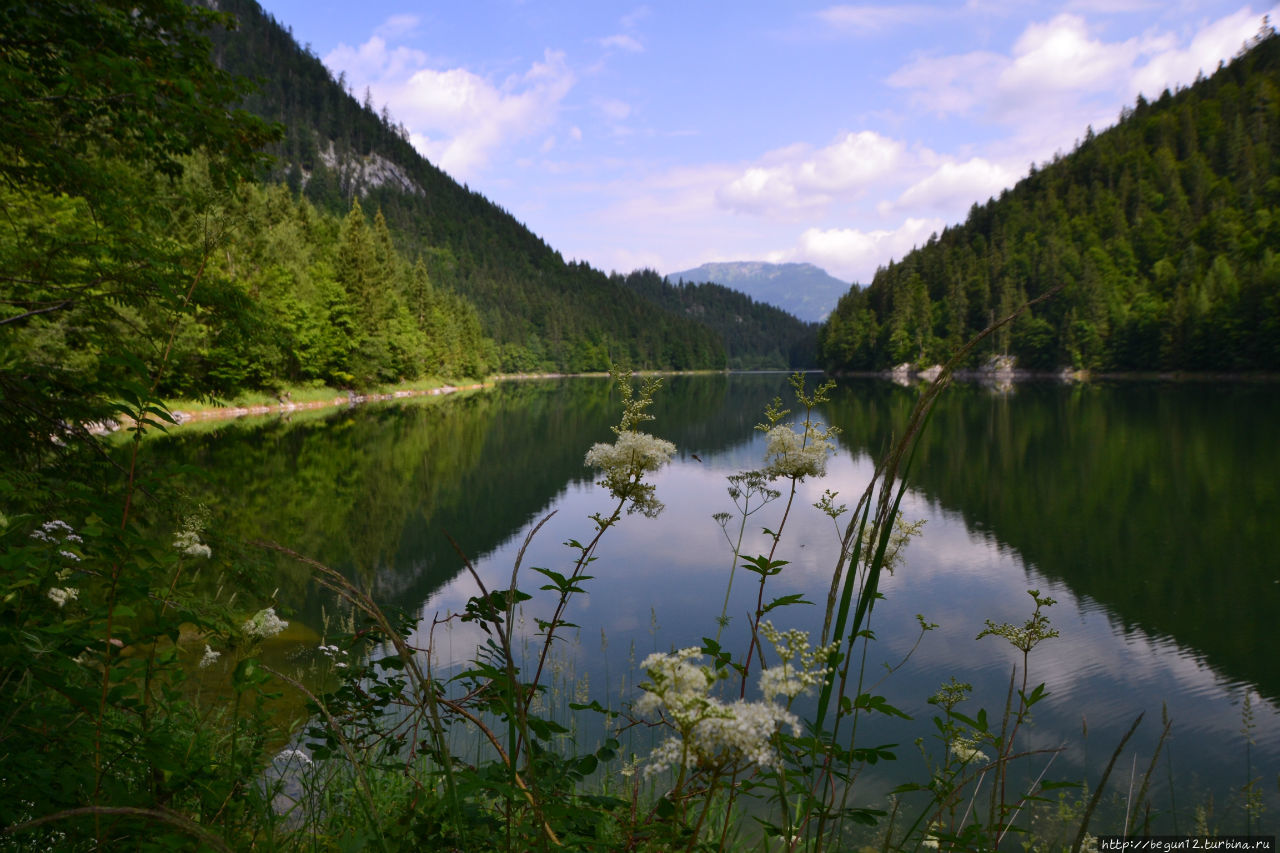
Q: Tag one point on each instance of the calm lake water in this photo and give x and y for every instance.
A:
(1151, 512)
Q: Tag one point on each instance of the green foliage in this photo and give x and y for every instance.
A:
(1162, 230)
(543, 314)
(754, 335)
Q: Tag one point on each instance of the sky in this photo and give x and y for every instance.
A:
(670, 134)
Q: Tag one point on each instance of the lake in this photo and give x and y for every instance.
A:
(1149, 511)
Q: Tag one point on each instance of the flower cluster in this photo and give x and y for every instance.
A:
(210, 657)
(800, 665)
(966, 750)
(626, 461)
(61, 595)
(334, 652)
(792, 454)
(291, 755)
(188, 539)
(711, 733)
(56, 530)
(265, 624)
(1030, 634)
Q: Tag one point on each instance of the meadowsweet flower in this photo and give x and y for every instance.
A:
(210, 657)
(287, 755)
(800, 665)
(75, 558)
(624, 464)
(61, 595)
(53, 531)
(188, 538)
(710, 733)
(966, 750)
(797, 454)
(265, 624)
(190, 544)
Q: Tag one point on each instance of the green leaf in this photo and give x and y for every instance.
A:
(784, 601)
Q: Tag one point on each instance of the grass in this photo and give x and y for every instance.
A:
(310, 393)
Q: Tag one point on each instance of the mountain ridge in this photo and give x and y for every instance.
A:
(803, 290)
(543, 313)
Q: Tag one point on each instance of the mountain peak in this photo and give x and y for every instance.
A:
(803, 289)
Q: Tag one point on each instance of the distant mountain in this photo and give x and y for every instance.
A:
(1163, 231)
(804, 290)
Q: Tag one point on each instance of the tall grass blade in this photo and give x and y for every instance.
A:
(1102, 783)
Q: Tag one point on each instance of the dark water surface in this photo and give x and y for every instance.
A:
(1151, 512)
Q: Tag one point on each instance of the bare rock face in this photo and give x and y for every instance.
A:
(361, 174)
(930, 373)
(999, 366)
(901, 374)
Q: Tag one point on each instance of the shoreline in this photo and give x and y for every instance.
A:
(218, 413)
(188, 415)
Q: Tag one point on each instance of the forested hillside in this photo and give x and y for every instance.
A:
(755, 335)
(543, 313)
(1164, 231)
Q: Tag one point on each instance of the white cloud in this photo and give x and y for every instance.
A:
(1061, 69)
(398, 26)
(855, 255)
(1062, 56)
(948, 84)
(798, 180)
(1219, 40)
(953, 187)
(614, 109)
(867, 19)
(458, 119)
(623, 41)
(373, 62)
(635, 16)
(1115, 7)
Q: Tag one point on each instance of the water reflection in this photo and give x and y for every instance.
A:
(1147, 511)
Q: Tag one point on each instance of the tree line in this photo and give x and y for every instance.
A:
(1163, 230)
(755, 335)
(542, 312)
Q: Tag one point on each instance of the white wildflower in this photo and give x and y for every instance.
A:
(265, 624)
(966, 750)
(188, 542)
(633, 452)
(61, 595)
(800, 665)
(75, 558)
(711, 733)
(188, 538)
(52, 531)
(210, 657)
(798, 455)
(289, 755)
(626, 461)
(679, 685)
(782, 681)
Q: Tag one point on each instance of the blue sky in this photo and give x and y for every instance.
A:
(669, 134)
